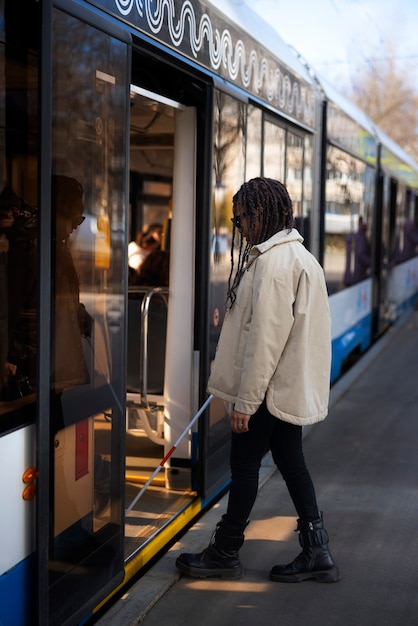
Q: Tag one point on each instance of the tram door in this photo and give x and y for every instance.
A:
(161, 376)
(83, 516)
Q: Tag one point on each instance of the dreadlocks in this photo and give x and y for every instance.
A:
(268, 209)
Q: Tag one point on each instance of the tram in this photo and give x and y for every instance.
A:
(369, 237)
(121, 117)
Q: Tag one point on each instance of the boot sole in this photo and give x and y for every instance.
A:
(321, 576)
(200, 572)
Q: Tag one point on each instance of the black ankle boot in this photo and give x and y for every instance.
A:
(314, 562)
(219, 560)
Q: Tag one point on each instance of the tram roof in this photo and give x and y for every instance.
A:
(235, 44)
(394, 158)
(395, 148)
(396, 161)
(348, 127)
(347, 106)
(258, 28)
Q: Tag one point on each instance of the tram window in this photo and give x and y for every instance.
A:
(228, 176)
(307, 199)
(254, 141)
(385, 223)
(406, 231)
(392, 193)
(400, 220)
(412, 225)
(348, 220)
(296, 171)
(410, 239)
(274, 151)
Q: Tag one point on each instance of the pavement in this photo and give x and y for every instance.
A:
(364, 462)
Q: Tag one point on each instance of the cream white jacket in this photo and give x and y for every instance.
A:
(275, 342)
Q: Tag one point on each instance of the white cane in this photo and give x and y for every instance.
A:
(169, 453)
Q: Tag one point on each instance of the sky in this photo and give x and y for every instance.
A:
(340, 38)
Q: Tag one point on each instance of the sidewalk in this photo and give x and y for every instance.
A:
(364, 462)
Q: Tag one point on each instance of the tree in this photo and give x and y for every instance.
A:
(386, 93)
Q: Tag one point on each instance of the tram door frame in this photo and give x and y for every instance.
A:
(181, 366)
(50, 609)
(181, 363)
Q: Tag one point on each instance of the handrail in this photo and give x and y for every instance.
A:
(149, 292)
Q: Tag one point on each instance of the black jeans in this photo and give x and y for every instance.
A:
(267, 432)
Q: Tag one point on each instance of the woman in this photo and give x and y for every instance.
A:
(273, 364)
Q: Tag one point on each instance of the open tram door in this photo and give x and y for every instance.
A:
(85, 69)
(162, 368)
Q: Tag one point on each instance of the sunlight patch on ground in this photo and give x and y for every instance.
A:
(278, 528)
(219, 585)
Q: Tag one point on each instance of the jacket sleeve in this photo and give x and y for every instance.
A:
(266, 338)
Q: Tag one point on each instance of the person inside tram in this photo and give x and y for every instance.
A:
(358, 255)
(410, 240)
(272, 364)
(410, 243)
(145, 242)
(154, 270)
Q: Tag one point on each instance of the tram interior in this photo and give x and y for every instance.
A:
(151, 174)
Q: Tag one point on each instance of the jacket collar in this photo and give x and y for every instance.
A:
(283, 236)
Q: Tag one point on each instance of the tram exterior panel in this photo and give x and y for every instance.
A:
(131, 117)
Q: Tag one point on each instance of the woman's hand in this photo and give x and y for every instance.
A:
(239, 422)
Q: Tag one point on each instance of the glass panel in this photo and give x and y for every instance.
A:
(88, 253)
(295, 172)
(348, 219)
(406, 237)
(254, 141)
(385, 221)
(399, 226)
(307, 190)
(228, 176)
(411, 226)
(274, 151)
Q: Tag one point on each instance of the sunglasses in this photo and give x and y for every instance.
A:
(78, 220)
(236, 220)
